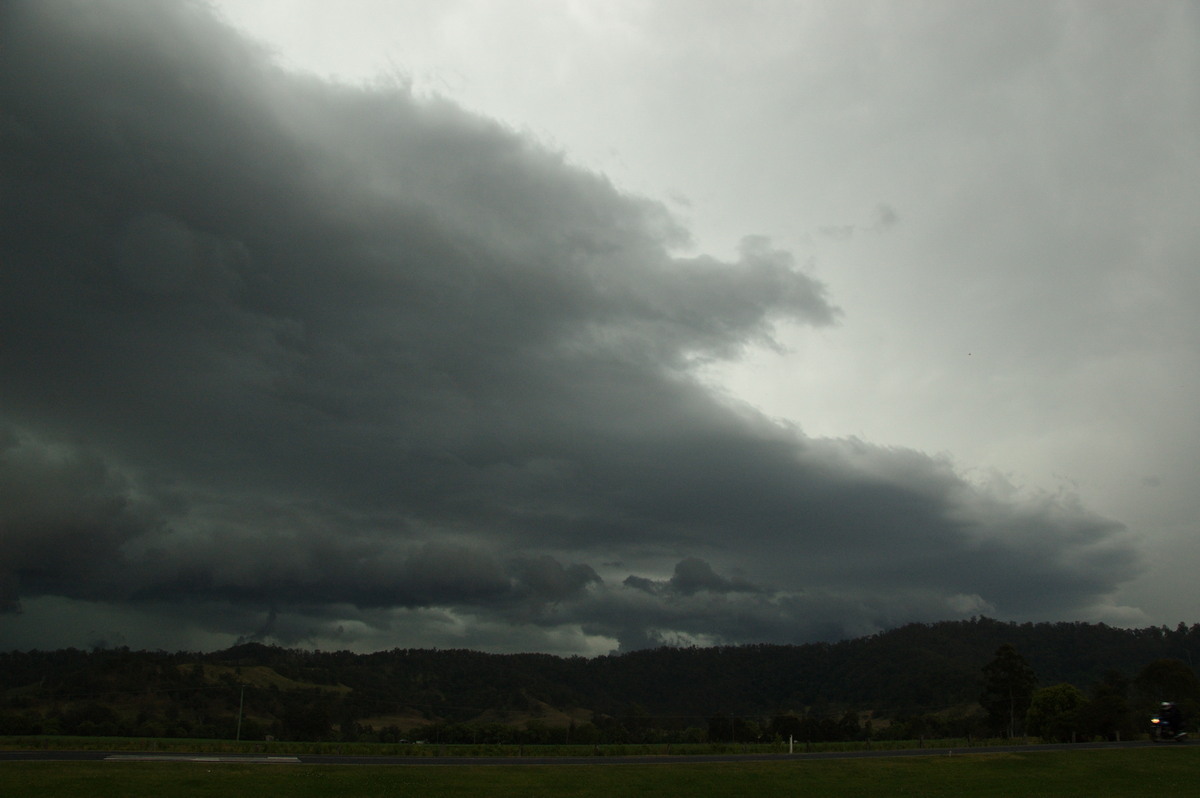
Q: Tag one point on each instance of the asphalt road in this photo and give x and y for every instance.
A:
(127, 756)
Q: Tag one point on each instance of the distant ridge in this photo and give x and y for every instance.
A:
(912, 670)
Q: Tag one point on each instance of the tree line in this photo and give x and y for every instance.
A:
(1114, 707)
(979, 677)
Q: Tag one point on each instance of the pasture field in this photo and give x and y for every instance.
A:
(1149, 771)
(433, 749)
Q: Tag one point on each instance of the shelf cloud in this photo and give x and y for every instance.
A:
(345, 366)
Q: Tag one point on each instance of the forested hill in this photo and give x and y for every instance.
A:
(916, 669)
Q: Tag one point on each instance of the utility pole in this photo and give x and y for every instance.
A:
(241, 703)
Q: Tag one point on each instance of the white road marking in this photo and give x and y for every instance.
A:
(265, 760)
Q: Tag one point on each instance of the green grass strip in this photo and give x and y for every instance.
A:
(1092, 773)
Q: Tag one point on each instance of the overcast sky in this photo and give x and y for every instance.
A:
(581, 327)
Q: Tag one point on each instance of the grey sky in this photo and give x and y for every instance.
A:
(575, 327)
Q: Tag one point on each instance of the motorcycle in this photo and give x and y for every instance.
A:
(1161, 731)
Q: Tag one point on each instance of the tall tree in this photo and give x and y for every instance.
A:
(1169, 680)
(1008, 684)
(1107, 713)
(1054, 712)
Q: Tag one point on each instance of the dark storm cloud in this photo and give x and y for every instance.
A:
(692, 575)
(297, 356)
(66, 514)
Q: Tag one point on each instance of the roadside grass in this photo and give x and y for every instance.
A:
(1091, 773)
(434, 749)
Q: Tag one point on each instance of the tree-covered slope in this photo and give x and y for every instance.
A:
(914, 670)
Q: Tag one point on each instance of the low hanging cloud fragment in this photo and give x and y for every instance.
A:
(337, 365)
(692, 575)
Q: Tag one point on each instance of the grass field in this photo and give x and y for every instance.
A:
(208, 746)
(1158, 771)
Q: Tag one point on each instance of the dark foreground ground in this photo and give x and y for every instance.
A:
(328, 759)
